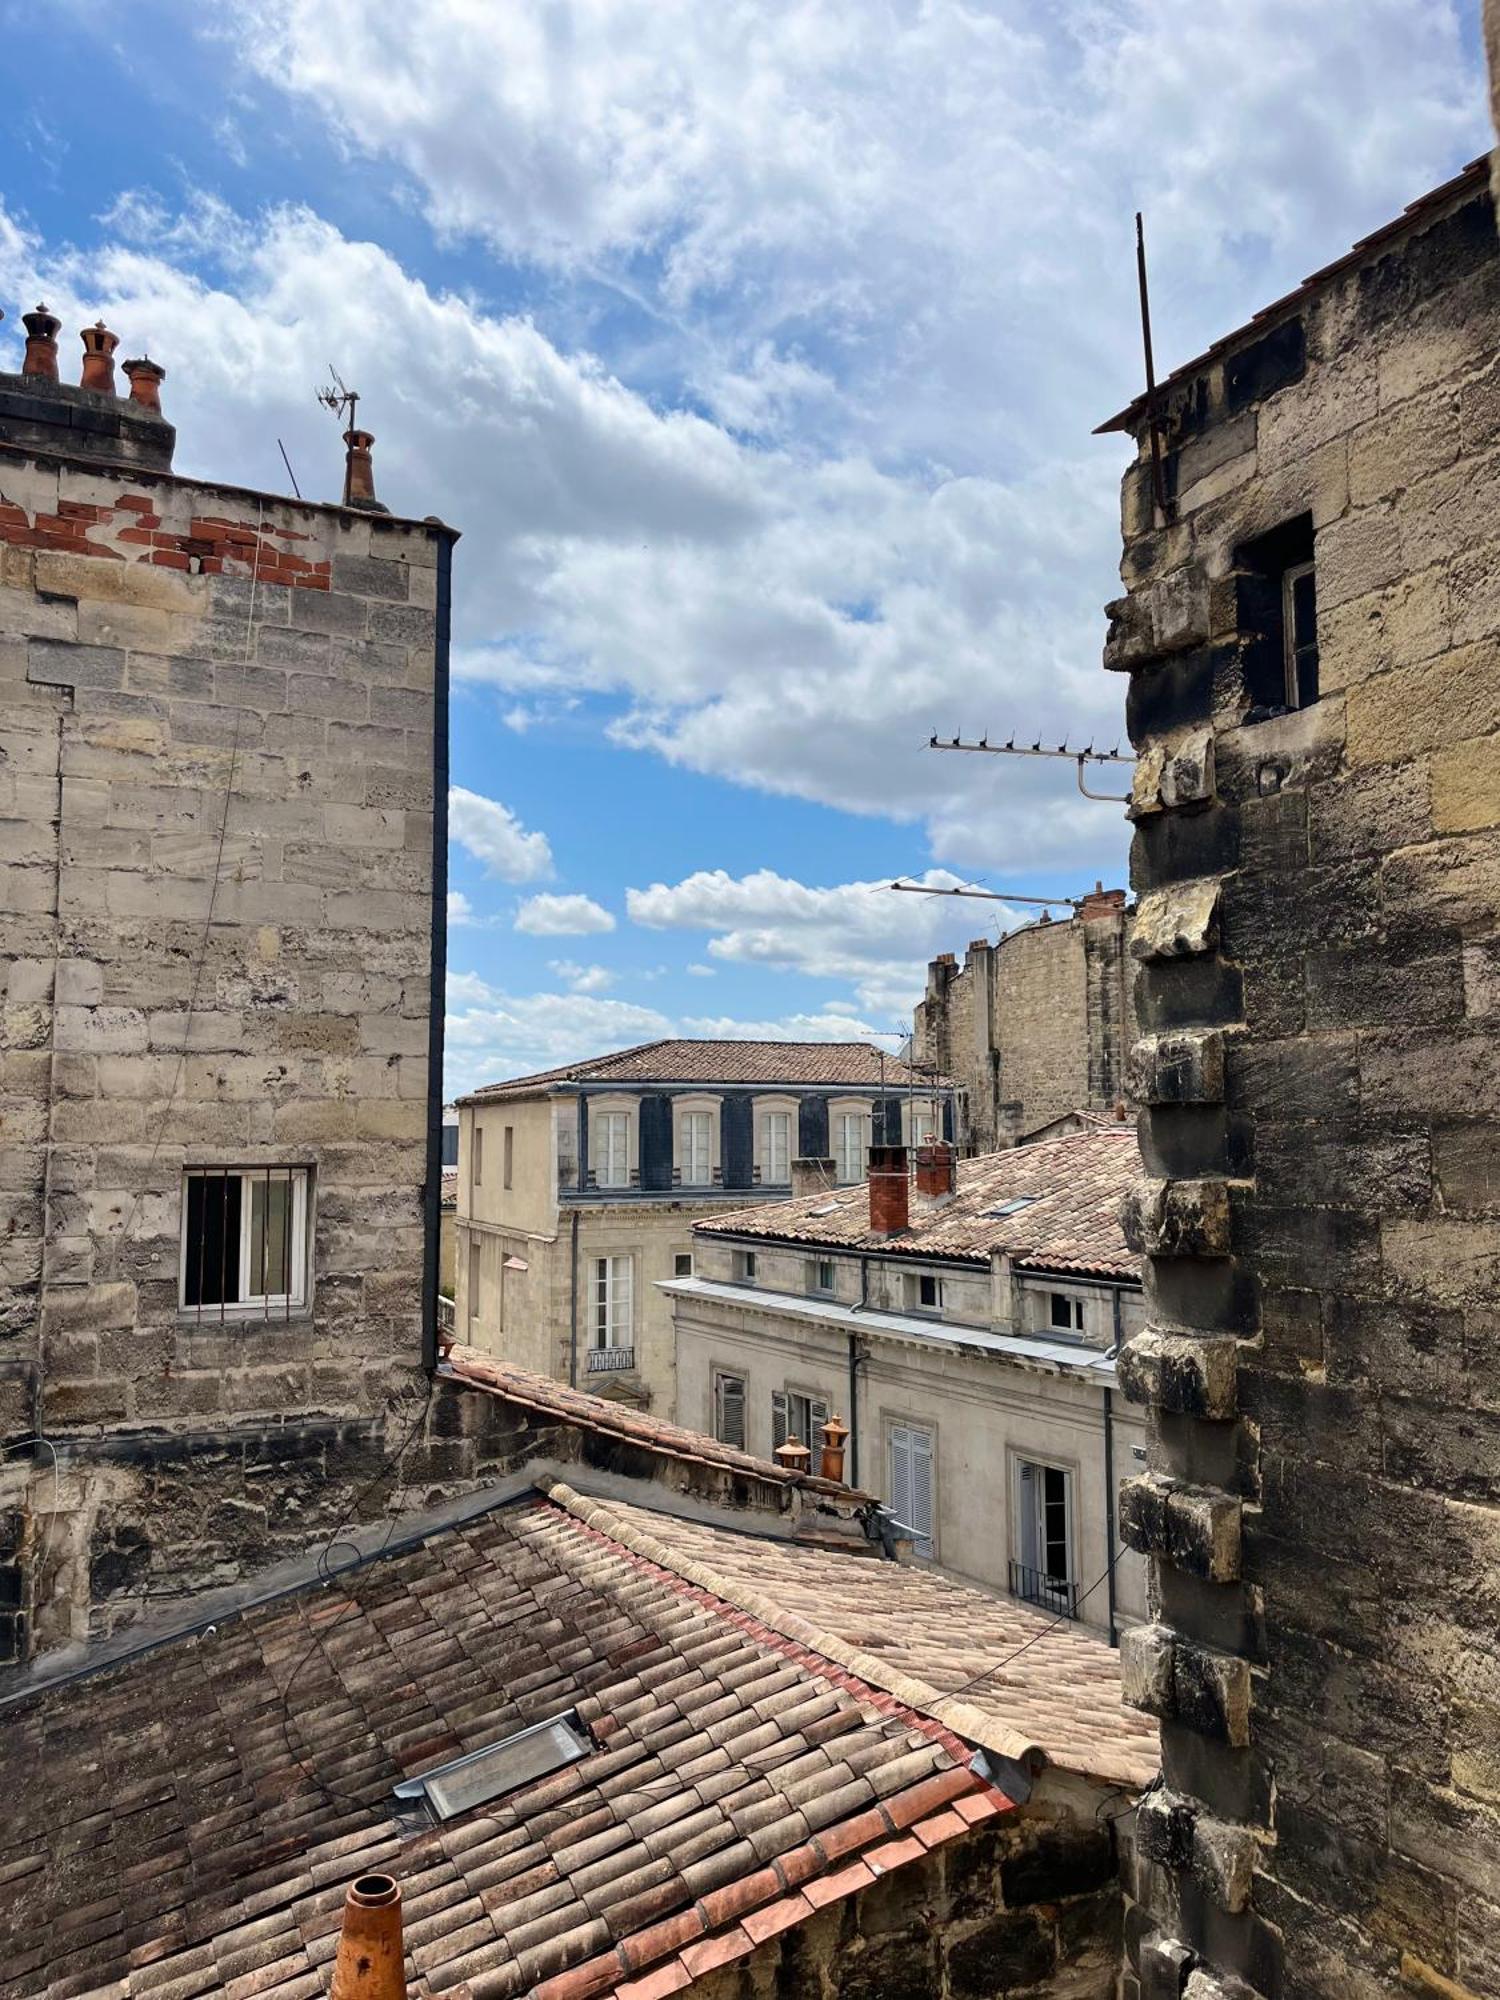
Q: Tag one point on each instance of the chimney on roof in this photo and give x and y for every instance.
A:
(41, 344)
(890, 1193)
(1101, 902)
(371, 1961)
(794, 1455)
(814, 1176)
(937, 1169)
(145, 378)
(832, 1465)
(359, 473)
(99, 346)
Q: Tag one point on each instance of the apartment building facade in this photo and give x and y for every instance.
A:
(578, 1187)
(962, 1324)
(222, 716)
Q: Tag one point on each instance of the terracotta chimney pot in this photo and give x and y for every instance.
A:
(359, 472)
(41, 344)
(371, 1961)
(99, 346)
(890, 1191)
(145, 378)
(937, 1166)
(794, 1455)
(834, 1434)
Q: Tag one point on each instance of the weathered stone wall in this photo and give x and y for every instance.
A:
(1033, 1026)
(1317, 925)
(216, 876)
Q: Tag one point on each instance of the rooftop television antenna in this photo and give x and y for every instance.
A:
(343, 402)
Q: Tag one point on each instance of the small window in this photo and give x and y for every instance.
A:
(477, 1172)
(1042, 1570)
(924, 1292)
(910, 1487)
(612, 1149)
(1067, 1312)
(821, 1275)
(682, 1264)
(729, 1410)
(1011, 1207)
(614, 1287)
(245, 1240)
(1299, 626)
(1277, 613)
(743, 1266)
(474, 1272)
(799, 1416)
(510, 1153)
(506, 1766)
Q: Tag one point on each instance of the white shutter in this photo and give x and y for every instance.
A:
(780, 1422)
(911, 1482)
(900, 1476)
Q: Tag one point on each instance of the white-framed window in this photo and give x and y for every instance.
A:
(611, 1148)
(1299, 627)
(850, 1133)
(729, 1409)
(924, 1291)
(821, 1276)
(924, 1126)
(682, 1264)
(614, 1301)
(1044, 1572)
(742, 1266)
(1065, 1312)
(797, 1414)
(244, 1242)
(695, 1148)
(775, 1141)
(909, 1455)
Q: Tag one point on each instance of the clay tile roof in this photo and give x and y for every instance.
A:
(1468, 182)
(735, 1780)
(1072, 1190)
(858, 1064)
(450, 1187)
(631, 1426)
(920, 1634)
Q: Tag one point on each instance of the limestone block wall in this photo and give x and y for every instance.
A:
(218, 720)
(1319, 935)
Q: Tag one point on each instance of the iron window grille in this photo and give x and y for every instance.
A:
(245, 1242)
(1036, 1586)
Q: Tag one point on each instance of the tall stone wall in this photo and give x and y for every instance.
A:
(1034, 1026)
(218, 718)
(1319, 1008)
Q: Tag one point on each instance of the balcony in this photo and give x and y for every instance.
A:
(1052, 1593)
(446, 1318)
(608, 1360)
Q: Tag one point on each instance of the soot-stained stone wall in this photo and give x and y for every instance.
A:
(220, 718)
(1318, 1008)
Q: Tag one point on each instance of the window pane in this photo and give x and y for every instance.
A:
(212, 1263)
(270, 1237)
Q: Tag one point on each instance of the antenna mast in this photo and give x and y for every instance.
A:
(344, 403)
(1158, 481)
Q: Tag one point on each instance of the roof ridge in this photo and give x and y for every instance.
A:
(958, 1716)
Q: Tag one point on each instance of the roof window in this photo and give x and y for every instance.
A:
(1011, 1207)
(466, 1782)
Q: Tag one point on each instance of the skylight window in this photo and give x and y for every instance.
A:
(1012, 1207)
(499, 1768)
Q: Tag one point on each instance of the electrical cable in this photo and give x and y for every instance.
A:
(1063, 1618)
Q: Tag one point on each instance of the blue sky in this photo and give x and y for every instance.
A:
(756, 350)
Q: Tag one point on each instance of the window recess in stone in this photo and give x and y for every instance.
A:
(1276, 593)
(244, 1246)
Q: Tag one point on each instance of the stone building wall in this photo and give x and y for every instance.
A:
(219, 721)
(1319, 1008)
(1034, 1026)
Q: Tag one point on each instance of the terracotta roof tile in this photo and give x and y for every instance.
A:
(599, 1879)
(687, 1061)
(1071, 1188)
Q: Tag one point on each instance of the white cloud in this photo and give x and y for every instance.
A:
(582, 978)
(492, 1035)
(856, 931)
(563, 916)
(460, 909)
(492, 834)
(702, 972)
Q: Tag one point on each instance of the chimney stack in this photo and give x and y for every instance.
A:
(814, 1176)
(41, 344)
(371, 1961)
(794, 1455)
(834, 1434)
(937, 1169)
(99, 346)
(359, 473)
(890, 1195)
(1101, 902)
(145, 378)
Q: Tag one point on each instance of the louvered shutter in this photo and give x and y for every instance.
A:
(911, 1483)
(780, 1422)
(900, 1476)
(817, 1416)
(731, 1411)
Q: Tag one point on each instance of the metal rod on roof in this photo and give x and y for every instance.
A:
(1158, 481)
(987, 896)
(1011, 748)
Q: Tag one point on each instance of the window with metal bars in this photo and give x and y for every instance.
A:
(244, 1241)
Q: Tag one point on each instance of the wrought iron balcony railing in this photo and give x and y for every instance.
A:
(1052, 1593)
(609, 1360)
